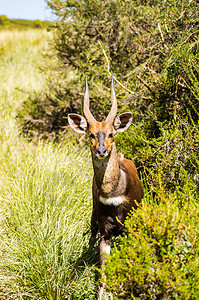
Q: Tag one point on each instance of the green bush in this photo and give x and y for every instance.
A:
(174, 155)
(4, 20)
(150, 46)
(43, 114)
(152, 49)
(158, 256)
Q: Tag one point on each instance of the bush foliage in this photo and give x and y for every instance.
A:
(158, 256)
(150, 46)
(152, 49)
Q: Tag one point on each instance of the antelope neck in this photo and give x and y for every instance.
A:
(107, 172)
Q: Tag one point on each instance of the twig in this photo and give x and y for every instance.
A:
(165, 144)
(162, 36)
(108, 68)
(160, 32)
(146, 84)
(152, 72)
(168, 31)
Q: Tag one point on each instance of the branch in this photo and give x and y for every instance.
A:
(146, 84)
(162, 36)
(163, 145)
(108, 67)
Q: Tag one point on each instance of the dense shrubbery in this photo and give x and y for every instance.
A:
(152, 49)
(174, 155)
(158, 258)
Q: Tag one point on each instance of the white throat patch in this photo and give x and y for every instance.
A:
(115, 201)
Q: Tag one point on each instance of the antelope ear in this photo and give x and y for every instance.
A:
(122, 122)
(77, 123)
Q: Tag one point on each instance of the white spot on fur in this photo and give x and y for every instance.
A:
(106, 249)
(115, 201)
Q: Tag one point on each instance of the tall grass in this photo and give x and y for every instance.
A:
(19, 58)
(45, 200)
(45, 192)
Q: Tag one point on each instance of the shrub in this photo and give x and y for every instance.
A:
(4, 20)
(173, 155)
(158, 256)
(150, 46)
(37, 24)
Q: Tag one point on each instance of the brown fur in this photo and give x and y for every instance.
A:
(116, 187)
(117, 176)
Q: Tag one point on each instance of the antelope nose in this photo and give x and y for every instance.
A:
(101, 151)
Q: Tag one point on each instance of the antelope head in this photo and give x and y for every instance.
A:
(101, 133)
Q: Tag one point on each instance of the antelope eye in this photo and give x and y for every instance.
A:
(110, 135)
(91, 136)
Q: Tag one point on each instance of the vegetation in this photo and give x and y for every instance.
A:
(150, 46)
(45, 192)
(152, 49)
(21, 24)
(45, 187)
(158, 256)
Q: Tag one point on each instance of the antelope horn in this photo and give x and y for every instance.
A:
(113, 110)
(87, 112)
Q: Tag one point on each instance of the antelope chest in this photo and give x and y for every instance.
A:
(111, 215)
(114, 201)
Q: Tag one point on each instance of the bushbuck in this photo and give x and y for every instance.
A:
(116, 187)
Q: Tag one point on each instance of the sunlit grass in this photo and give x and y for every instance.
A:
(45, 192)
(46, 207)
(19, 58)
